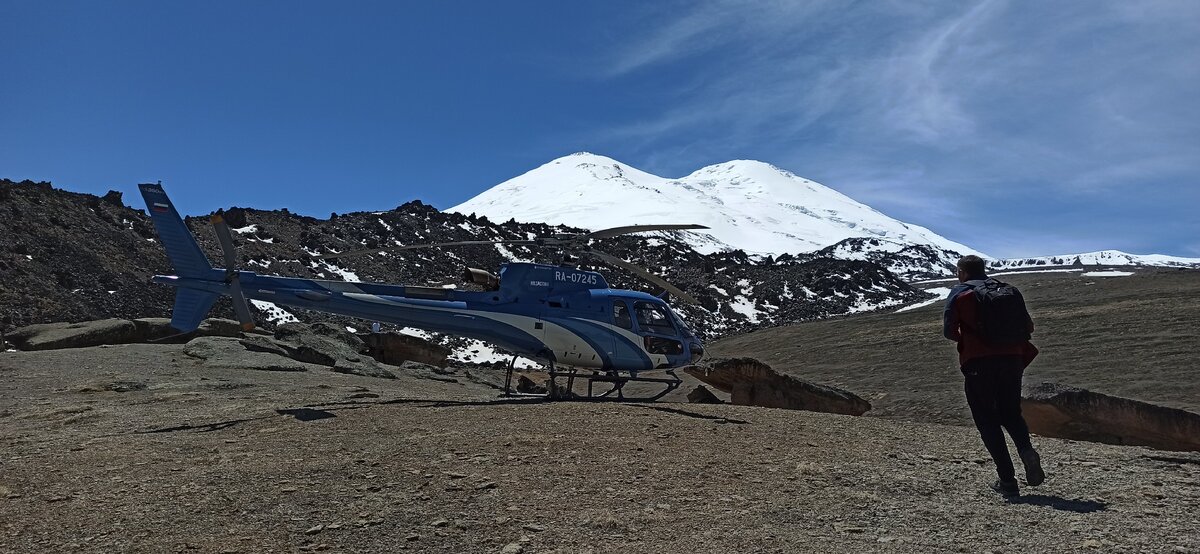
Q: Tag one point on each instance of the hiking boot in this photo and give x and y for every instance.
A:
(1034, 475)
(1008, 489)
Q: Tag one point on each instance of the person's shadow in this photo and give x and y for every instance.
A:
(1060, 503)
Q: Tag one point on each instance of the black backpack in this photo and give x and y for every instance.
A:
(1003, 317)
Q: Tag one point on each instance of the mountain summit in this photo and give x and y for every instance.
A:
(750, 205)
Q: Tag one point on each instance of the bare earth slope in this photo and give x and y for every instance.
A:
(1136, 336)
(190, 458)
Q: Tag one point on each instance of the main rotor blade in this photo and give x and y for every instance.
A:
(226, 240)
(416, 246)
(675, 291)
(616, 231)
(239, 305)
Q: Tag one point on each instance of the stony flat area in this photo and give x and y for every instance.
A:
(140, 448)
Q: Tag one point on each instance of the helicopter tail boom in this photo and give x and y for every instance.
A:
(191, 265)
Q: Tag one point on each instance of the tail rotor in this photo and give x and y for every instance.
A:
(232, 276)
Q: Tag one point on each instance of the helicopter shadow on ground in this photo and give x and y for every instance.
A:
(678, 411)
(316, 412)
(1060, 503)
(543, 400)
(301, 414)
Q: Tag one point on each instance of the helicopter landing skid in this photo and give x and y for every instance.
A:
(615, 392)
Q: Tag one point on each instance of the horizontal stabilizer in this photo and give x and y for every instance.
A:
(190, 308)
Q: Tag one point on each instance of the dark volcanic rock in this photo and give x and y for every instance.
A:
(701, 395)
(74, 257)
(1066, 412)
(753, 383)
(911, 262)
(396, 348)
(525, 385)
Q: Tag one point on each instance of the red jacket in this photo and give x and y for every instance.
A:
(962, 311)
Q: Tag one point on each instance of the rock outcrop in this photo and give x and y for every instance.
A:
(229, 353)
(321, 344)
(396, 348)
(753, 383)
(53, 336)
(1067, 412)
(295, 347)
(701, 395)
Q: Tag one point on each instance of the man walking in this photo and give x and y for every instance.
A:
(989, 322)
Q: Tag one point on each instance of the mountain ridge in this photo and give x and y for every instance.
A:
(746, 203)
(750, 205)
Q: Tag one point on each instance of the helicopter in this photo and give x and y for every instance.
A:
(568, 319)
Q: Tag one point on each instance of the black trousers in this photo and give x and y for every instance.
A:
(993, 386)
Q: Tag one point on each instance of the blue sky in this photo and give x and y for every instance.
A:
(1019, 128)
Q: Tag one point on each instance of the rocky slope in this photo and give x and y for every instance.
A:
(1133, 336)
(72, 257)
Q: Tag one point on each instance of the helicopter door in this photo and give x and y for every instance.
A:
(621, 354)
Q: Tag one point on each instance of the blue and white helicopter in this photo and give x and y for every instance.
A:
(564, 317)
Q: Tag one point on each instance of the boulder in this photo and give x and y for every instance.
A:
(701, 395)
(154, 328)
(218, 327)
(1055, 410)
(229, 353)
(525, 385)
(396, 348)
(319, 343)
(51, 336)
(753, 383)
(322, 344)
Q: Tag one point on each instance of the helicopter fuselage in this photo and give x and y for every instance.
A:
(556, 314)
(560, 315)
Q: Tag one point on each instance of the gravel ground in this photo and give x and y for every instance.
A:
(194, 459)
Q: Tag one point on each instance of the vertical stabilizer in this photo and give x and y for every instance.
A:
(185, 255)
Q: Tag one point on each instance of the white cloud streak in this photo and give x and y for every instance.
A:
(904, 106)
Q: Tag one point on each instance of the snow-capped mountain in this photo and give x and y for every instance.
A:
(1103, 257)
(749, 205)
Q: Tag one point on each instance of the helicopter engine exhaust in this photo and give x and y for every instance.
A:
(481, 277)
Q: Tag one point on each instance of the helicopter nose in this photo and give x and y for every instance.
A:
(697, 351)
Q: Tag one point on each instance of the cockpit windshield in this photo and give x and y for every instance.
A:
(653, 318)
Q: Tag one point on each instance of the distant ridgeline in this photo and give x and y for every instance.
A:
(72, 257)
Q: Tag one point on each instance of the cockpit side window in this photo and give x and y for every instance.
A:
(653, 318)
(621, 315)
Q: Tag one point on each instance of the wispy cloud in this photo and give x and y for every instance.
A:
(946, 105)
